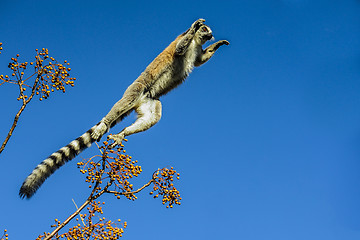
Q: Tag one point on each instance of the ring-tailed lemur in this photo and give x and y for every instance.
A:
(167, 71)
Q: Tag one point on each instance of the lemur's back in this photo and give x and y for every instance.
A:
(168, 70)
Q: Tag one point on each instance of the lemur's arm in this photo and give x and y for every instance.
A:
(209, 52)
(185, 41)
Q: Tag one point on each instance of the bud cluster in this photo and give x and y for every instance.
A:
(163, 186)
(48, 75)
(93, 226)
(114, 166)
(112, 172)
(53, 75)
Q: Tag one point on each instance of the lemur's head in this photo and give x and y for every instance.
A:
(203, 34)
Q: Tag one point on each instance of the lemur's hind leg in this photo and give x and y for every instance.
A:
(120, 109)
(149, 113)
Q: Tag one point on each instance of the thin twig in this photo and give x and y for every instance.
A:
(98, 147)
(133, 192)
(79, 214)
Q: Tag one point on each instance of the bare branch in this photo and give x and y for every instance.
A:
(17, 116)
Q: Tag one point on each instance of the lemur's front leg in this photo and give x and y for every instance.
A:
(185, 41)
(209, 52)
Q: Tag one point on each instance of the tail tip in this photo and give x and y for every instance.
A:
(26, 192)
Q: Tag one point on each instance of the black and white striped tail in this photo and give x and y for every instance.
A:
(53, 162)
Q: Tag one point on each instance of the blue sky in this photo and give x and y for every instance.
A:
(265, 135)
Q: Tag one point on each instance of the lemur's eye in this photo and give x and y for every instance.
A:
(204, 29)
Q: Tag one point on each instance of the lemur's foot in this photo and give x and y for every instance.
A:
(99, 131)
(117, 138)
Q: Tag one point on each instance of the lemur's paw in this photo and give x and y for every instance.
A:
(224, 42)
(197, 24)
(200, 20)
(99, 131)
(117, 138)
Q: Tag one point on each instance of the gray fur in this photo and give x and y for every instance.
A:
(164, 73)
(54, 162)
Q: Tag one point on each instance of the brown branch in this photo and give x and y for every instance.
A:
(34, 87)
(89, 200)
(12, 127)
(133, 192)
(22, 108)
(68, 220)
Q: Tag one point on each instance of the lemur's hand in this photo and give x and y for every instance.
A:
(222, 42)
(219, 44)
(197, 24)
